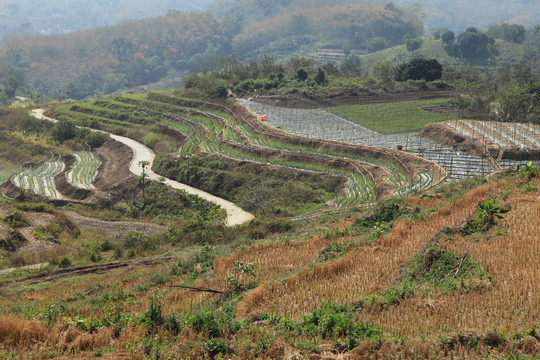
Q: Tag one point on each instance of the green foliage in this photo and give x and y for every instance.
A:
(215, 346)
(64, 262)
(12, 241)
(527, 171)
(237, 280)
(63, 130)
(516, 104)
(413, 44)
(488, 211)
(153, 316)
(386, 213)
(150, 140)
(391, 117)
(63, 226)
(433, 269)
(302, 74)
(473, 43)
(510, 32)
(332, 251)
(332, 322)
(420, 69)
(320, 77)
(16, 220)
(447, 39)
(378, 43)
(256, 188)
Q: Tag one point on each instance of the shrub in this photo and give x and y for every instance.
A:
(12, 241)
(420, 69)
(215, 347)
(64, 262)
(150, 139)
(153, 316)
(17, 220)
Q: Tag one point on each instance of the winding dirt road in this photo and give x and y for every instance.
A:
(235, 214)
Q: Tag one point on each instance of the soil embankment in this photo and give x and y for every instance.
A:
(347, 97)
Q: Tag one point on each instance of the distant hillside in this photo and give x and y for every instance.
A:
(134, 53)
(459, 14)
(508, 54)
(29, 17)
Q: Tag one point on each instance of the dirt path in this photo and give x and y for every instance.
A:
(235, 215)
(28, 267)
(53, 275)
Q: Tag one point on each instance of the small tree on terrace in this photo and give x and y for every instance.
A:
(447, 39)
(320, 77)
(144, 175)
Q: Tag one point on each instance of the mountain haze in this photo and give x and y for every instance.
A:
(29, 17)
(457, 15)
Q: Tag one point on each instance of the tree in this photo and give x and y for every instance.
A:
(420, 69)
(143, 164)
(437, 34)
(472, 43)
(384, 71)
(447, 39)
(413, 44)
(63, 130)
(377, 44)
(351, 66)
(515, 104)
(11, 86)
(320, 77)
(510, 32)
(302, 74)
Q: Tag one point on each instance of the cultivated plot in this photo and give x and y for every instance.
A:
(506, 135)
(319, 123)
(41, 179)
(84, 171)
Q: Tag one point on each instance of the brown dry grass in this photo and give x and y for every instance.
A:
(18, 333)
(508, 305)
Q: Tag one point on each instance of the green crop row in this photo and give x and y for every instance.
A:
(84, 170)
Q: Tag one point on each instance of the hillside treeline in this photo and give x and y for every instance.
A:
(457, 15)
(28, 17)
(103, 60)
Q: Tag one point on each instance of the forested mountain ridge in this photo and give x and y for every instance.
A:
(28, 17)
(105, 59)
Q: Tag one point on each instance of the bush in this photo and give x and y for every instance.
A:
(150, 140)
(215, 347)
(64, 262)
(12, 241)
(420, 69)
(17, 220)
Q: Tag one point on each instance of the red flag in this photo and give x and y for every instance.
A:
(263, 118)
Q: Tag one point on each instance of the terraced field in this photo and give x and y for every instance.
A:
(6, 172)
(236, 133)
(506, 135)
(41, 179)
(85, 170)
(323, 124)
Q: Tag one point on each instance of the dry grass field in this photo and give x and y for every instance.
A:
(133, 312)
